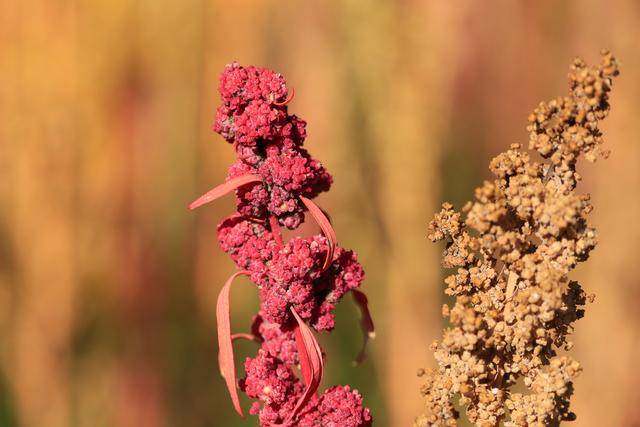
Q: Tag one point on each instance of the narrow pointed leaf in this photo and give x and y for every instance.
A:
(366, 323)
(222, 189)
(325, 226)
(225, 341)
(311, 362)
(305, 362)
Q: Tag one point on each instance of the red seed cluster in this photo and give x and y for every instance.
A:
(276, 341)
(268, 142)
(274, 384)
(270, 379)
(338, 406)
(240, 85)
(291, 274)
(305, 275)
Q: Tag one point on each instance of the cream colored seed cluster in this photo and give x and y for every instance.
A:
(512, 250)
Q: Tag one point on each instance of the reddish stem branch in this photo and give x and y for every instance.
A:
(244, 336)
(275, 229)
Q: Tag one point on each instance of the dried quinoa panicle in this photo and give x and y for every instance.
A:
(512, 249)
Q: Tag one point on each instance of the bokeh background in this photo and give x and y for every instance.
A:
(108, 283)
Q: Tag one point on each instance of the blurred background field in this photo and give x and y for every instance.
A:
(108, 283)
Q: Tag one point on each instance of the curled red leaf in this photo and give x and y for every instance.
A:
(311, 363)
(292, 93)
(244, 336)
(222, 189)
(325, 226)
(366, 323)
(225, 341)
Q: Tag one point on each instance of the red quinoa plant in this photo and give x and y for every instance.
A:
(301, 280)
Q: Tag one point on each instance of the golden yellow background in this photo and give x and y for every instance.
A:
(108, 283)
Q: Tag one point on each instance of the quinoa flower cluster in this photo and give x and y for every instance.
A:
(299, 281)
(268, 142)
(511, 251)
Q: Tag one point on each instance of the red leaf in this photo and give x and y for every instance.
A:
(325, 226)
(366, 323)
(223, 189)
(225, 341)
(292, 93)
(305, 362)
(312, 364)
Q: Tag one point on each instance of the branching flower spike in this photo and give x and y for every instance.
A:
(299, 281)
(512, 249)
